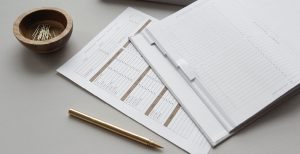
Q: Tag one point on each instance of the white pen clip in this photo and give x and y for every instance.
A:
(184, 66)
(147, 35)
(151, 40)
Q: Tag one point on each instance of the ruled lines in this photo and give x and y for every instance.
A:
(136, 82)
(105, 66)
(118, 52)
(128, 77)
(112, 69)
(143, 27)
(172, 115)
(163, 91)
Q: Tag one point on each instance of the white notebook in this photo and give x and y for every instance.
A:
(221, 64)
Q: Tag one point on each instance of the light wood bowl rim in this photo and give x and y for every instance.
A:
(18, 34)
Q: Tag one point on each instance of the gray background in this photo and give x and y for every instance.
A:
(34, 100)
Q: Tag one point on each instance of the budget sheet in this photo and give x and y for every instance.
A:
(112, 69)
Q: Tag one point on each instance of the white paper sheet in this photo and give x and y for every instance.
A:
(230, 60)
(279, 18)
(111, 68)
(211, 127)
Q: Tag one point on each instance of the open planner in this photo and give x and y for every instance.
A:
(111, 68)
(220, 63)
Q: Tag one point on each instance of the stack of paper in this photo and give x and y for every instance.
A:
(110, 67)
(221, 62)
(208, 70)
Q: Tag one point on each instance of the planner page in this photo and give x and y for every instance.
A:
(111, 68)
(280, 19)
(209, 125)
(228, 58)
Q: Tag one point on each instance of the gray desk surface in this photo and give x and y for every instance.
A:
(34, 100)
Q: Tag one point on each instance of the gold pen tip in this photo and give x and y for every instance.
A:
(155, 145)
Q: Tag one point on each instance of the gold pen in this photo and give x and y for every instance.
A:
(114, 129)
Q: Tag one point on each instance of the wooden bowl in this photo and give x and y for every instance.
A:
(43, 30)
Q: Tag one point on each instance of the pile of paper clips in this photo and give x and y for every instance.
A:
(42, 33)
